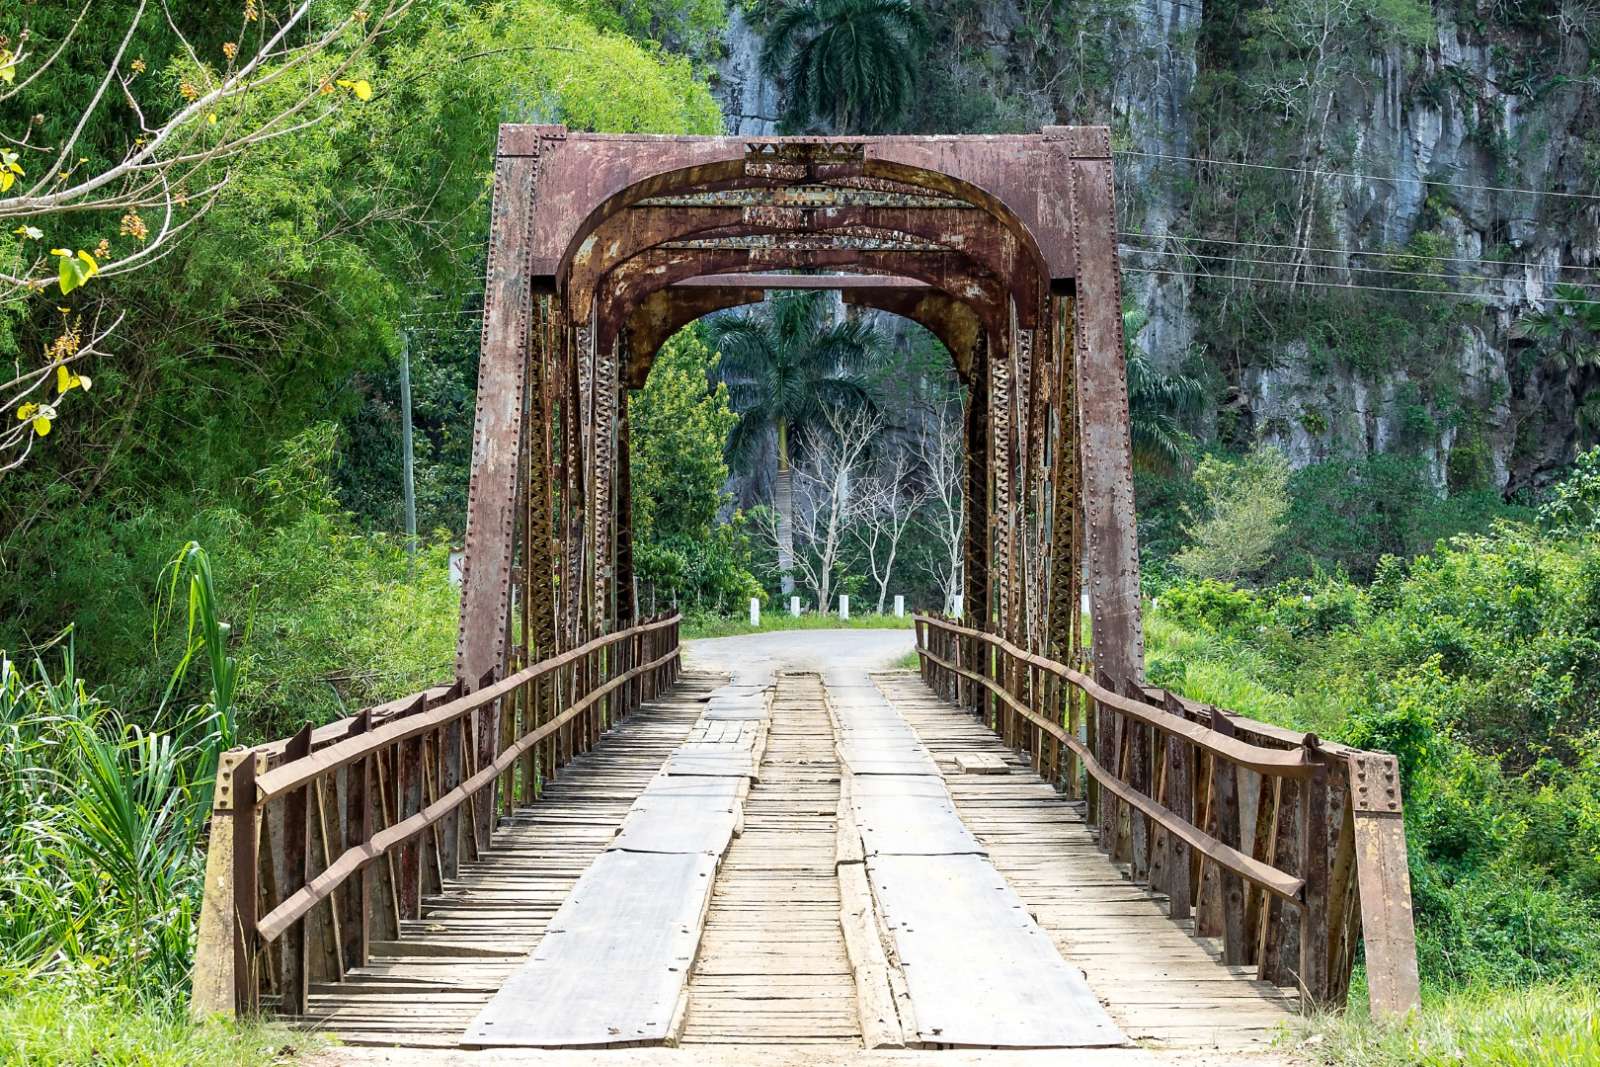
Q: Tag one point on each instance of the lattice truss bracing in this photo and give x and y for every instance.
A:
(603, 246)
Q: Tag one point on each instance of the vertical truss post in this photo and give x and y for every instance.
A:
(1084, 159)
(497, 431)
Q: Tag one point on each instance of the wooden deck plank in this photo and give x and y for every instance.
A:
(611, 966)
(772, 968)
(978, 971)
(1162, 985)
(682, 815)
(506, 898)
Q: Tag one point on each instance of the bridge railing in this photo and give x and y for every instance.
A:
(323, 845)
(1289, 849)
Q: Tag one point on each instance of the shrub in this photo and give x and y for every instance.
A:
(1245, 504)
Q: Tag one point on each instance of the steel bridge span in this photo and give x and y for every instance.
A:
(578, 843)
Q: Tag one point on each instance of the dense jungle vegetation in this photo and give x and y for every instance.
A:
(204, 542)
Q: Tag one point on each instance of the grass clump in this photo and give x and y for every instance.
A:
(60, 1025)
(1550, 1025)
(102, 851)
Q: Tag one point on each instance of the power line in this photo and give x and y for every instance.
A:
(1476, 261)
(1359, 177)
(1328, 285)
(1334, 266)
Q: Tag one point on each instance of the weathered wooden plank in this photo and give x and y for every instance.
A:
(735, 711)
(612, 967)
(906, 821)
(712, 761)
(1157, 979)
(682, 815)
(979, 970)
(863, 755)
(981, 763)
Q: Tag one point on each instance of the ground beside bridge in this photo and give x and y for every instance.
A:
(799, 857)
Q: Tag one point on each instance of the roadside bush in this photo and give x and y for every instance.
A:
(1477, 665)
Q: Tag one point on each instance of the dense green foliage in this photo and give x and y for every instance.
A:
(1476, 664)
(284, 310)
(685, 554)
(1245, 502)
(1157, 404)
(101, 862)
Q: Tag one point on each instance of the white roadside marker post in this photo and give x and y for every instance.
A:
(794, 606)
(899, 607)
(755, 612)
(844, 607)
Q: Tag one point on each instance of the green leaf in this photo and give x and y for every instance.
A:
(75, 269)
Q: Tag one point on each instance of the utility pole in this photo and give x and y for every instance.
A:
(407, 472)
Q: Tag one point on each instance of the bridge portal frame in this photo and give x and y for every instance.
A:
(602, 245)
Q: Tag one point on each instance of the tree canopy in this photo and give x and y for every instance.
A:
(851, 64)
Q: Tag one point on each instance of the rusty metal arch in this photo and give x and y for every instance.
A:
(659, 270)
(627, 235)
(725, 164)
(664, 312)
(1048, 461)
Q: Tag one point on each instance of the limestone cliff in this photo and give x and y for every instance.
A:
(1443, 113)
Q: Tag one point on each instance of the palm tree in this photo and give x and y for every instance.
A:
(785, 367)
(852, 62)
(1569, 332)
(1156, 403)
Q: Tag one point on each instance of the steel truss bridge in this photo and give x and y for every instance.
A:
(577, 843)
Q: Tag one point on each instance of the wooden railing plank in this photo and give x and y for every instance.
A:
(412, 789)
(280, 780)
(296, 905)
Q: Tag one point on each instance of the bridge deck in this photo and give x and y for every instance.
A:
(771, 967)
(1159, 982)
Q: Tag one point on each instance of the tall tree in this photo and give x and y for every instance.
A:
(1156, 404)
(851, 63)
(829, 502)
(787, 366)
(942, 455)
(888, 503)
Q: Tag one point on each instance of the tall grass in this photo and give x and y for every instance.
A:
(101, 818)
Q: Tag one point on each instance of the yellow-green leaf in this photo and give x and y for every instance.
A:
(75, 269)
(360, 87)
(66, 380)
(32, 233)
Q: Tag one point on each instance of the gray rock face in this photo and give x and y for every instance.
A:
(1459, 112)
(749, 99)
